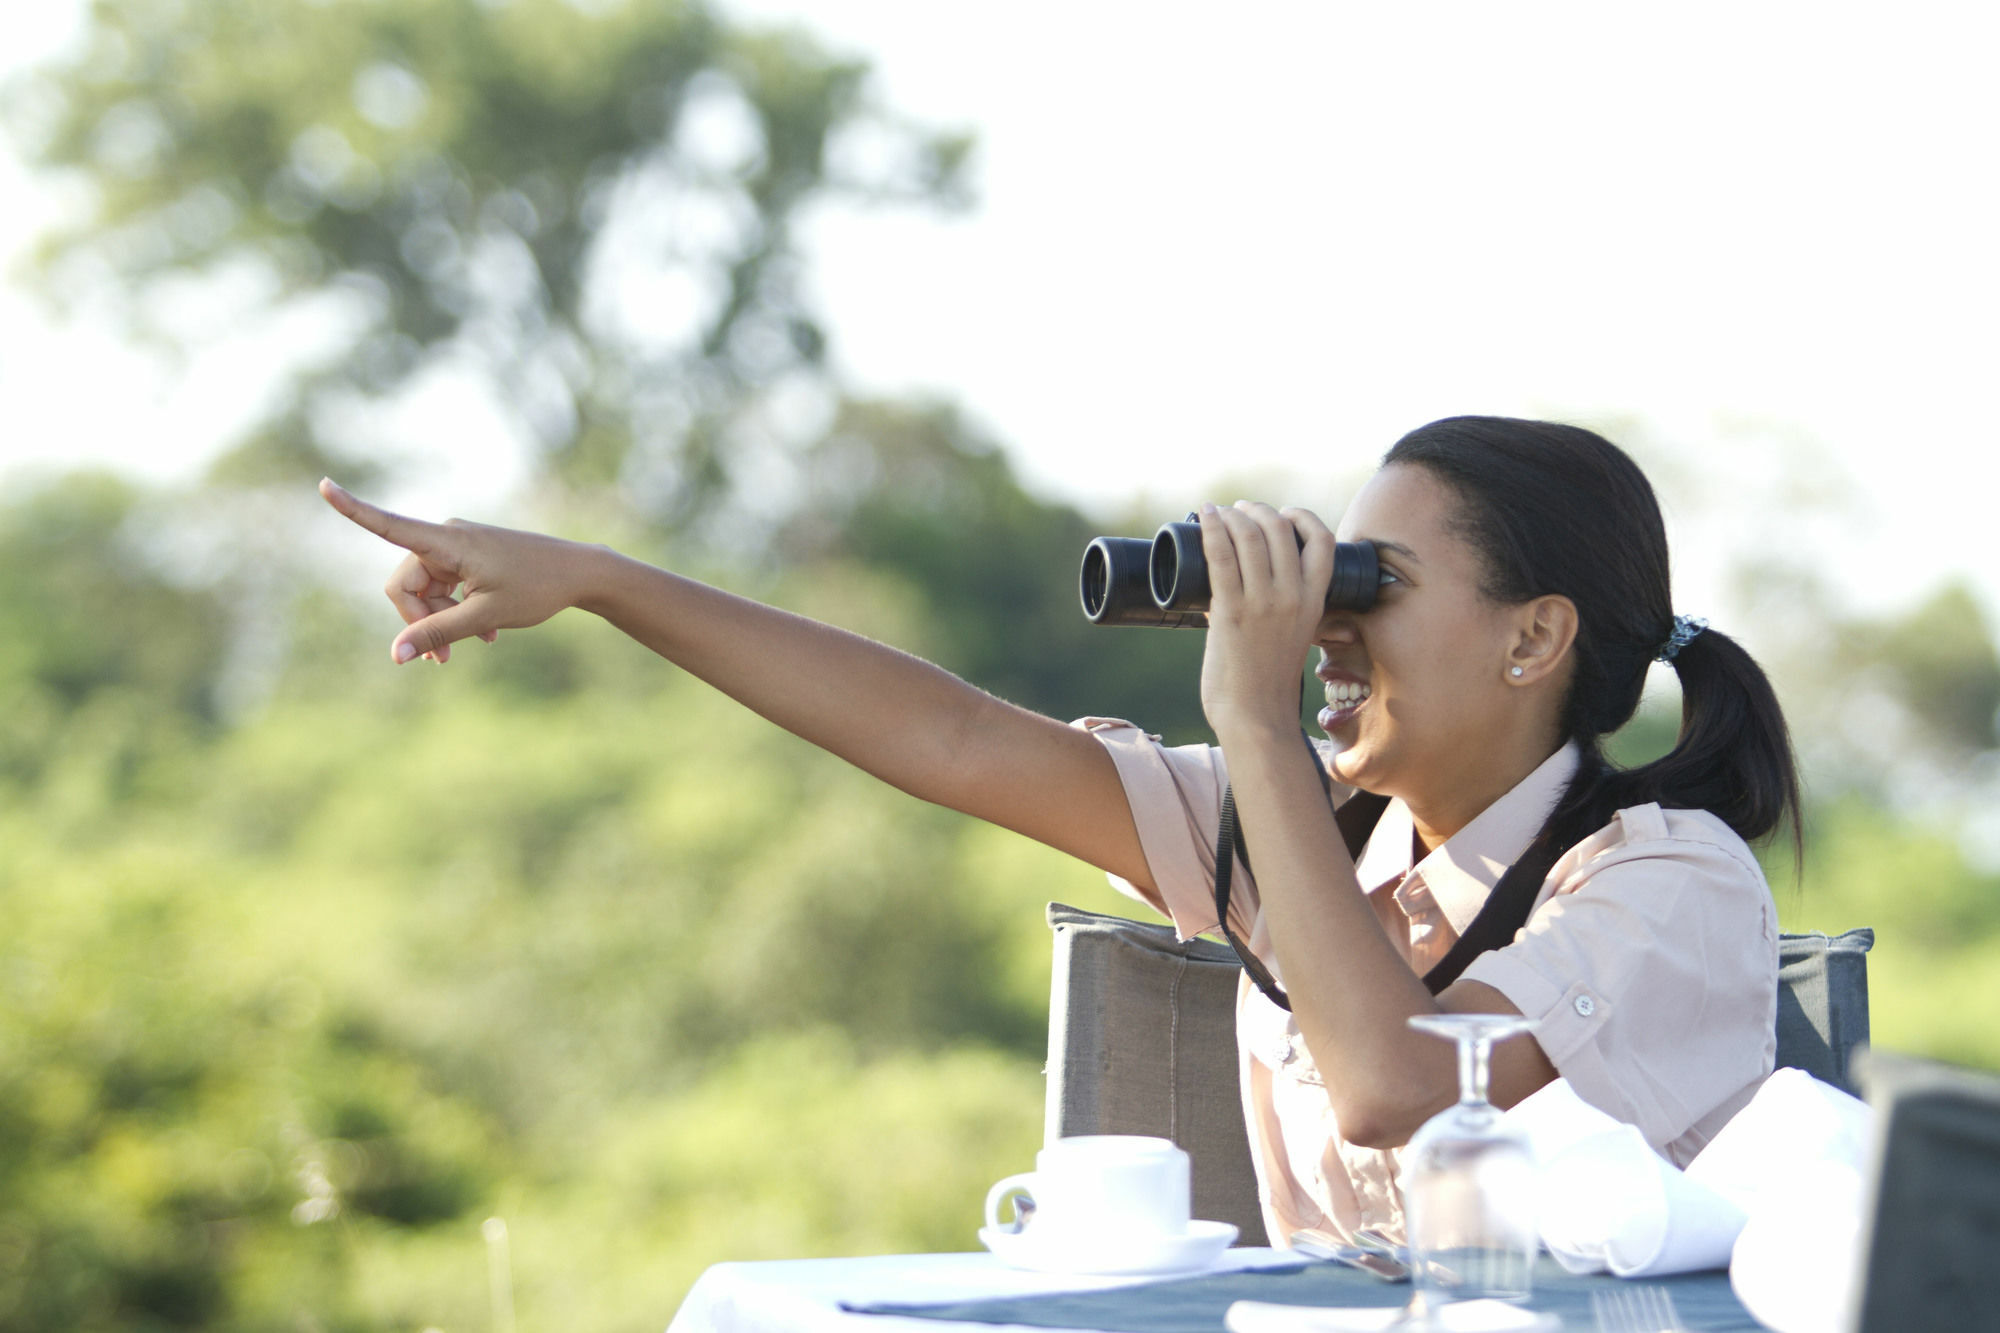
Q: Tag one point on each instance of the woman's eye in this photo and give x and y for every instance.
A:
(1384, 577)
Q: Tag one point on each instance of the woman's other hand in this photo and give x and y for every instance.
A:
(510, 579)
(1268, 572)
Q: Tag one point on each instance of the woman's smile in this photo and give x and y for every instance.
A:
(1346, 695)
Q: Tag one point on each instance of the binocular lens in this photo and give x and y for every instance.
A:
(1108, 564)
(1178, 571)
(1164, 582)
(1115, 587)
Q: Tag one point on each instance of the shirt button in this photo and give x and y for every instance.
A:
(1585, 1006)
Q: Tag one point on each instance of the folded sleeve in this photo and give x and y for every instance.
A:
(1652, 967)
(1176, 797)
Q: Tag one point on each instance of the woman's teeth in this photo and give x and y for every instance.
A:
(1341, 694)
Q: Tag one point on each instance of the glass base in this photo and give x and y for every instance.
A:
(1475, 1273)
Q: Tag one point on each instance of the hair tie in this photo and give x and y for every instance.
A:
(1685, 628)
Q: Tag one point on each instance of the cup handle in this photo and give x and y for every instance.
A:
(1021, 1184)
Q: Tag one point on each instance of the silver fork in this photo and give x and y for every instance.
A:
(1635, 1310)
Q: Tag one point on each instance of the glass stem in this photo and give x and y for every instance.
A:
(1474, 1057)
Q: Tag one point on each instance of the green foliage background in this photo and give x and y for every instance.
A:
(330, 990)
(555, 935)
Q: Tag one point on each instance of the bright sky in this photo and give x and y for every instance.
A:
(1756, 241)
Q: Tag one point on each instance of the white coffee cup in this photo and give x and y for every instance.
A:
(1099, 1184)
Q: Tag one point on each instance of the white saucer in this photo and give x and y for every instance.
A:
(1196, 1248)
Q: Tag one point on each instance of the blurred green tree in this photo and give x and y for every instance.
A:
(108, 667)
(592, 209)
(1940, 661)
(917, 490)
(276, 1043)
(83, 609)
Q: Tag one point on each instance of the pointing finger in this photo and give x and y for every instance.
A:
(412, 534)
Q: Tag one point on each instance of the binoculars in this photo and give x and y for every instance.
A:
(1163, 583)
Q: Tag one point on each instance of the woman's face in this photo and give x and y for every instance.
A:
(1416, 686)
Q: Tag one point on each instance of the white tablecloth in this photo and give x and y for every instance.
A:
(804, 1295)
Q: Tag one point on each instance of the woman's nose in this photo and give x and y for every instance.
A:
(1338, 627)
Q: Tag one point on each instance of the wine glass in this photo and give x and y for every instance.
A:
(1468, 1182)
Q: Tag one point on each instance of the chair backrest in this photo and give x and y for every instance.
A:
(1932, 1221)
(1823, 1004)
(1142, 1040)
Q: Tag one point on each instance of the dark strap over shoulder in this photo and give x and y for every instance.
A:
(1502, 915)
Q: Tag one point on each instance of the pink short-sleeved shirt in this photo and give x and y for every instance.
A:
(1650, 959)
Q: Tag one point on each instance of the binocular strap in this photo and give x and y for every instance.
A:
(1499, 918)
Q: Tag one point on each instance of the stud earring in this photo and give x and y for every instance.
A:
(1514, 672)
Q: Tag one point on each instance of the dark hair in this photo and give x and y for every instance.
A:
(1559, 509)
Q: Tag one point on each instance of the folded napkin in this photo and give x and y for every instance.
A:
(1458, 1317)
(1796, 1160)
(1612, 1204)
(1793, 1124)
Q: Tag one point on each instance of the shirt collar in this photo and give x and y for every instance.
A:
(1385, 858)
(1462, 872)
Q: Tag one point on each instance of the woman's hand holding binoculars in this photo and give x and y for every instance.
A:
(1268, 573)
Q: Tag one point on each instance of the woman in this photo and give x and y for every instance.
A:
(1524, 592)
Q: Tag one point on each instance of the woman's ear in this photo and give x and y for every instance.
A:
(1545, 630)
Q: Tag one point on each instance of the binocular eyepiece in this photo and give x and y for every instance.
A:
(1163, 583)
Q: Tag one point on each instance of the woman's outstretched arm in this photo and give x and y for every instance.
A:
(914, 725)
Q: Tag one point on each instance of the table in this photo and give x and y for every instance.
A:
(804, 1295)
(807, 1295)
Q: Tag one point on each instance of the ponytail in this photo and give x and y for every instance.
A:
(1733, 757)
